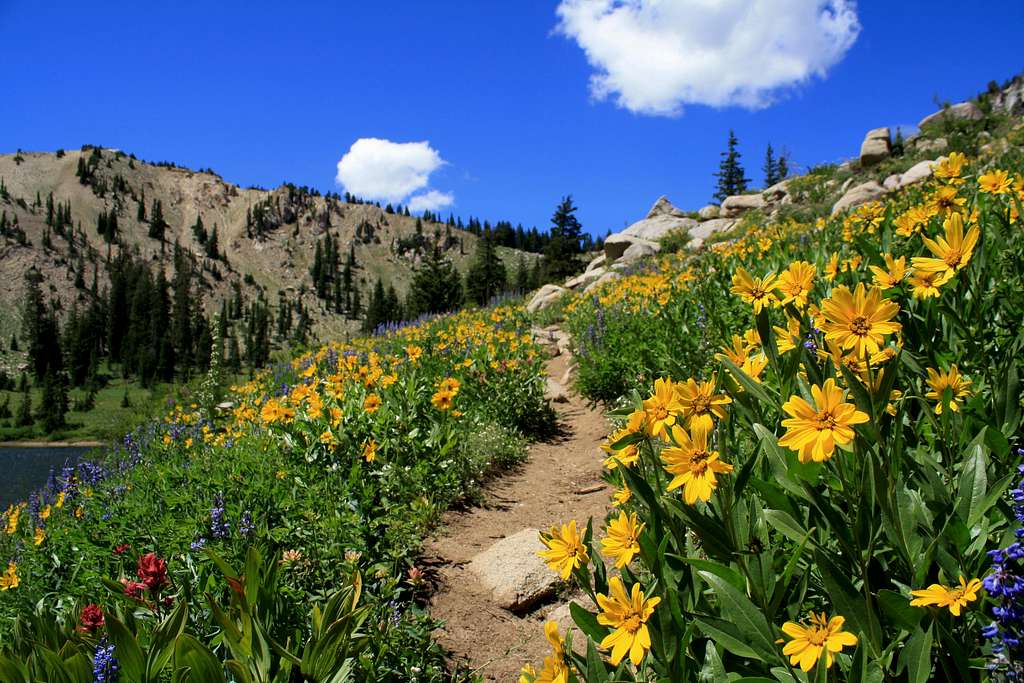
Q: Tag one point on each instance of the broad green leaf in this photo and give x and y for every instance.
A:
(917, 656)
(749, 619)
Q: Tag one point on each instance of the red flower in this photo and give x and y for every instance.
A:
(121, 548)
(152, 571)
(91, 619)
(133, 589)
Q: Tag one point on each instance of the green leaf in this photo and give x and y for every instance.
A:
(737, 608)
(726, 634)
(917, 656)
(898, 609)
(785, 524)
(203, 666)
(128, 652)
(971, 487)
(848, 601)
(587, 622)
(162, 647)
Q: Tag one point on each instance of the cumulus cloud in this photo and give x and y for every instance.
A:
(388, 171)
(654, 56)
(431, 200)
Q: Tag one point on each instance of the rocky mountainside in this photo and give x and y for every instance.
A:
(266, 239)
(991, 124)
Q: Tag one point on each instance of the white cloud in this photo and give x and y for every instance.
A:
(431, 200)
(389, 171)
(654, 56)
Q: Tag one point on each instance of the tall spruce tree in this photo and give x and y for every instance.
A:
(770, 168)
(731, 178)
(436, 286)
(486, 277)
(564, 244)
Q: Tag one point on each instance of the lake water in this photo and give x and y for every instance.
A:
(24, 470)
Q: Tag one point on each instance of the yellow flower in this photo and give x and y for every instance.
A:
(628, 615)
(44, 514)
(995, 182)
(275, 411)
(450, 384)
(953, 598)
(945, 201)
(622, 540)
(952, 252)
(60, 500)
(814, 431)
(327, 438)
(892, 275)
(39, 537)
(737, 353)
(443, 399)
(808, 641)
(621, 496)
(414, 352)
(692, 464)
(280, 474)
(554, 669)
(796, 282)
(700, 404)
(13, 514)
(565, 549)
(753, 290)
(832, 267)
(925, 285)
(859, 320)
(372, 403)
(662, 407)
(9, 579)
(949, 169)
(369, 450)
(959, 387)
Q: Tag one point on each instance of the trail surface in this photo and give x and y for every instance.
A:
(561, 480)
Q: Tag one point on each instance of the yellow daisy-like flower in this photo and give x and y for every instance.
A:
(662, 407)
(939, 381)
(810, 640)
(621, 496)
(892, 275)
(9, 579)
(700, 404)
(555, 669)
(44, 514)
(796, 282)
(952, 252)
(949, 169)
(628, 615)
(565, 550)
(622, 540)
(832, 267)
(692, 464)
(955, 598)
(327, 438)
(860, 320)
(369, 450)
(945, 201)
(995, 182)
(814, 431)
(737, 353)
(443, 400)
(925, 285)
(39, 537)
(371, 404)
(450, 384)
(754, 290)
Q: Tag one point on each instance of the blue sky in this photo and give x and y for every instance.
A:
(270, 92)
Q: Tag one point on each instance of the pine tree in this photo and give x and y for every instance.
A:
(731, 177)
(486, 277)
(157, 225)
(54, 403)
(522, 275)
(24, 418)
(436, 286)
(783, 167)
(212, 249)
(561, 250)
(770, 168)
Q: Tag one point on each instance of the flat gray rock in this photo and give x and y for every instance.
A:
(511, 570)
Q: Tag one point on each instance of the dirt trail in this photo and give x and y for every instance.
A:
(552, 487)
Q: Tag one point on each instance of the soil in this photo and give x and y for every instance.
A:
(561, 480)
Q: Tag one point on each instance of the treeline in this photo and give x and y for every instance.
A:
(437, 287)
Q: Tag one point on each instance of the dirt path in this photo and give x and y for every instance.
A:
(548, 489)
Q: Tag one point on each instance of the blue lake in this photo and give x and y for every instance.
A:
(24, 470)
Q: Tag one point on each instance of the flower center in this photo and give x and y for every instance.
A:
(860, 326)
(817, 637)
(953, 258)
(661, 413)
(826, 421)
(632, 623)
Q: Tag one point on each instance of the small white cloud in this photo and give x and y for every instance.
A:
(388, 171)
(654, 56)
(431, 200)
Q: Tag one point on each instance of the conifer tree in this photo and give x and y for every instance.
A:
(157, 225)
(731, 177)
(436, 286)
(770, 168)
(486, 277)
(24, 418)
(561, 250)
